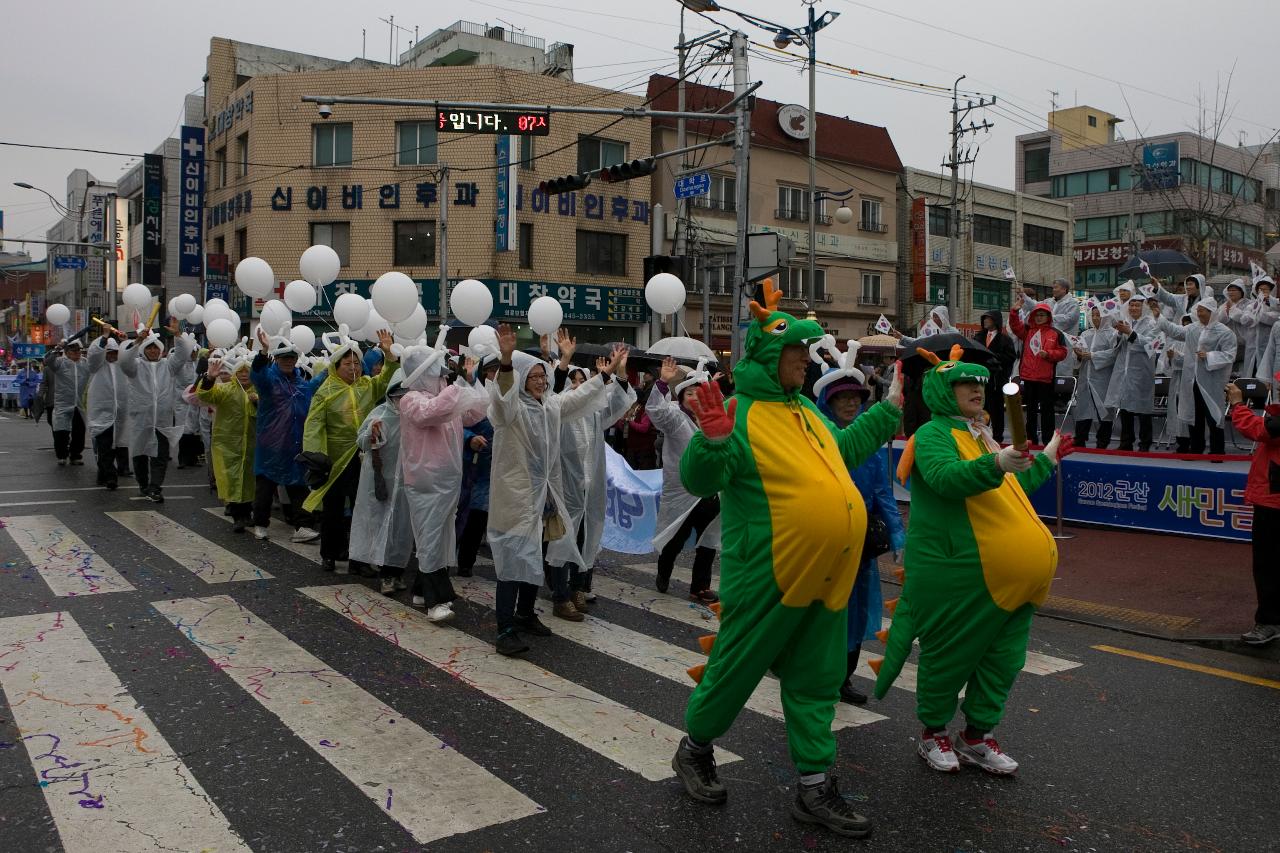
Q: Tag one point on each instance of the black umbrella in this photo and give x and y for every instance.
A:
(914, 364)
(1163, 263)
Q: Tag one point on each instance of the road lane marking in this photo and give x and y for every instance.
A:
(1193, 667)
(36, 503)
(110, 779)
(62, 559)
(167, 498)
(88, 489)
(276, 535)
(625, 736)
(662, 658)
(205, 560)
(428, 788)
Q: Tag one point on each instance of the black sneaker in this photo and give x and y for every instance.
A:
(533, 625)
(823, 805)
(509, 644)
(77, 461)
(238, 527)
(329, 565)
(697, 770)
(156, 497)
(111, 485)
(850, 696)
(662, 582)
(464, 573)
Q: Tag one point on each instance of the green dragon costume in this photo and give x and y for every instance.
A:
(793, 529)
(978, 562)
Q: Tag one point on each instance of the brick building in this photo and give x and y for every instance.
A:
(368, 181)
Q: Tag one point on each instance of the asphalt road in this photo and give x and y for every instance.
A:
(182, 702)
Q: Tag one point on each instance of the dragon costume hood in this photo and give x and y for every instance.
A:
(756, 374)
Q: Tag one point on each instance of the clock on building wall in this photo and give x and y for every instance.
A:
(794, 121)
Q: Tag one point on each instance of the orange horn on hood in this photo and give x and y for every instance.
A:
(772, 296)
(930, 357)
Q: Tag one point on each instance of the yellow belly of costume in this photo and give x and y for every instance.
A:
(1018, 553)
(818, 517)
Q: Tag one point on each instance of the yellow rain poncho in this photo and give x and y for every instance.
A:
(337, 410)
(234, 430)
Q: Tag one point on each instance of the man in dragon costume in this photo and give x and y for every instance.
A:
(793, 527)
(978, 562)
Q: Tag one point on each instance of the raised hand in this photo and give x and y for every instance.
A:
(894, 394)
(506, 342)
(385, 340)
(707, 404)
(214, 368)
(618, 365)
(603, 366)
(669, 372)
(568, 345)
(375, 432)
(263, 339)
(1059, 446)
(172, 325)
(469, 368)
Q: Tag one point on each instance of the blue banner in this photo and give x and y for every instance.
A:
(631, 518)
(191, 203)
(1160, 166)
(504, 222)
(28, 350)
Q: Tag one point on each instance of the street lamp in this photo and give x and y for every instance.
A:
(59, 206)
(782, 38)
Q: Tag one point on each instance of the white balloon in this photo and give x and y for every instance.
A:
(414, 326)
(303, 338)
(299, 295)
(137, 296)
(222, 332)
(215, 308)
(173, 312)
(394, 294)
(185, 303)
(57, 313)
(319, 265)
(351, 311)
(664, 293)
(483, 338)
(196, 317)
(255, 278)
(372, 326)
(545, 315)
(275, 317)
(471, 302)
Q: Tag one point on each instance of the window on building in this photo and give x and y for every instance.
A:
(335, 235)
(1035, 165)
(135, 210)
(332, 144)
(991, 294)
(602, 253)
(527, 154)
(242, 154)
(718, 274)
(220, 165)
(794, 283)
(525, 239)
(415, 243)
(939, 221)
(870, 289)
(791, 204)
(992, 230)
(595, 153)
(939, 284)
(870, 213)
(1037, 238)
(219, 245)
(242, 244)
(724, 193)
(1077, 184)
(1093, 121)
(417, 143)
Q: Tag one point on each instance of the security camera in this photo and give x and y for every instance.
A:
(326, 110)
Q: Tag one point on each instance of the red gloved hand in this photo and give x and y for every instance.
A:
(707, 404)
(1059, 447)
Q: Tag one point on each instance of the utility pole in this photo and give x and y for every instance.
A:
(679, 247)
(444, 244)
(809, 293)
(958, 130)
(742, 185)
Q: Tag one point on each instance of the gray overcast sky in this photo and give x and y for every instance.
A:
(112, 75)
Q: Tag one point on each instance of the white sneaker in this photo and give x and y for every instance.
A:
(419, 601)
(342, 568)
(985, 753)
(439, 613)
(937, 752)
(591, 597)
(388, 586)
(304, 534)
(259, 533)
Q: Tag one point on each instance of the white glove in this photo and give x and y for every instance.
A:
(1011, 460)
(894, 394)
(1051, 449)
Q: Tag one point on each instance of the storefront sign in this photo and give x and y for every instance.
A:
(1160, 166)
(1236, 257)
(235, 111)
(191, 203)
(96, 219)
(1106, 254)
(152, 219)
(504, 221)
(919, 248)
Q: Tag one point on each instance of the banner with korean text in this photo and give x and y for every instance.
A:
(631, 516)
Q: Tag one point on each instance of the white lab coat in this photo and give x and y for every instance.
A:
(108, 395)
(526, 468)
(70, 380)
(153, 388)
(381, 530)
(676, 505)
(431, 423)
(583, 475)
(1132, 386)
(1210, 374)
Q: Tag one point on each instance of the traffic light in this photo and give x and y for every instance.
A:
(566, 184)
(625, 171)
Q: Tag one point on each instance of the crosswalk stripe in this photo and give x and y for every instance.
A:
(276, 535)
(626, 737)
(1037, 663)
(662, 658)
(209, 562)
(110, 779)
(62, 559)
(429, 789)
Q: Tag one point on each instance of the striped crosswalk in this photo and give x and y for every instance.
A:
(108, 775)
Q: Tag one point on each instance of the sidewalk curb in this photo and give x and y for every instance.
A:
(1219, 642)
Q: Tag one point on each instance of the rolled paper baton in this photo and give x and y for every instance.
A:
(1014, 415)
(155, 309)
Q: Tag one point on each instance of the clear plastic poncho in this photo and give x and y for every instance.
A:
(153, 388)
(381, 529)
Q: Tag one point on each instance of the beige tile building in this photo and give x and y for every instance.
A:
(368, 181)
